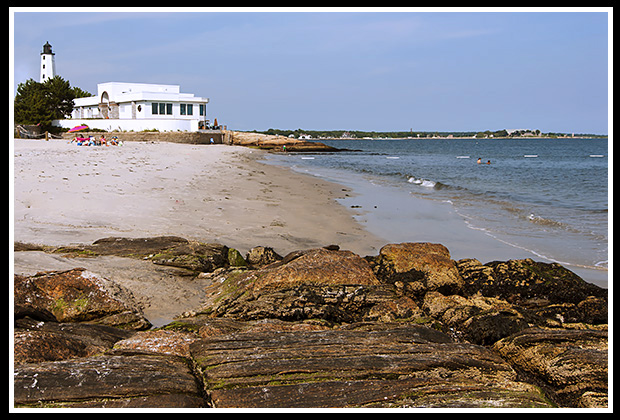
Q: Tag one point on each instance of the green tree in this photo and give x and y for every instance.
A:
(31, 104)
(40, 103)
(79, 93)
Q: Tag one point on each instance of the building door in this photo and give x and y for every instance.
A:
(104, 105)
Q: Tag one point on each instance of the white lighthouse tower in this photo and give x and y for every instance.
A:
(48, 64)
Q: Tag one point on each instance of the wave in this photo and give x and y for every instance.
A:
(546, 222)
(422, 182)
(599, 265)
(430, 184)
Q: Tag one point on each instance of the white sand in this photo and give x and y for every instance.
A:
(66, 194)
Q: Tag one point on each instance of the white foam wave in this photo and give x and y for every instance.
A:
(422, 182)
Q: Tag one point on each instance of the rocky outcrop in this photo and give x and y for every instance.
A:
(549, 289)
(118, 379)
(277, 143)
(171, 251)
(369, 365)
(420, 267)
(476, 318)
(317, 328)
(571, 363)
(260, 256)
(39, 341)
(317, 283)
(123, 247)
(77, 296)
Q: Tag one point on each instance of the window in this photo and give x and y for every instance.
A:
(202, 109)
(187, 109)
(159, 108)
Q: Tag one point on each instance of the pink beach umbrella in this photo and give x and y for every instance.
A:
(78, 128)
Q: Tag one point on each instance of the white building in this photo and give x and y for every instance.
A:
(121, 106)
(48, 64)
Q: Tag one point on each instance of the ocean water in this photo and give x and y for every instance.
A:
(544, 197)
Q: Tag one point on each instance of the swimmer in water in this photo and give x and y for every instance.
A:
(479, 160)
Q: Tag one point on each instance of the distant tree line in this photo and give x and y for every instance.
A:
(415, 134)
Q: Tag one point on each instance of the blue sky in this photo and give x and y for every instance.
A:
(356, 70)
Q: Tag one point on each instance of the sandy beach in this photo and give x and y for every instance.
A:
(66, 194)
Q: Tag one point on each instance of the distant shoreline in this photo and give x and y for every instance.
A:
(312, 135)
(463, 138)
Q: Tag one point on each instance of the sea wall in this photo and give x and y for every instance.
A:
(200, 137)
(237, 138)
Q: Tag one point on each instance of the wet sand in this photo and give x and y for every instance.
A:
(398, 216)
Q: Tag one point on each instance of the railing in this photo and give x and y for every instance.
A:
(24, 133)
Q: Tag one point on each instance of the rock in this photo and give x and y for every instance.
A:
(478, 319)
(38, 341)
(572, 364)
(22, 246)
(172, 251)
(550, 290)
(519, 280)
(195, 256)
(29, 311)
(159, 341)
(116, 379)
(317, 328)
(335, 285)
(422, 266)
(235, 259)
(261, 256)
(314, 267)
(207, 327)
(378, 365)
(334, 304)
(277, 143)
(78, 295)
(398, 309)
(125, 247)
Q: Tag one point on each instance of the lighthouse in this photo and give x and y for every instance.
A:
(48, 64)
